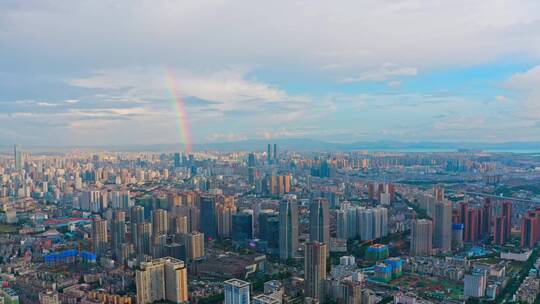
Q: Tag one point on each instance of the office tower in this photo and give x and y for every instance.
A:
(179, 225)
(265, 299)
(18, 157)
(242, 226)
(275, 153)
(342, 226)
(136, 217)
(160, 222)
(118, 231)
(530, 229)
(162, 279)
(269, 154)
(474, 285)
(194, 245)
(507, 214)
(99, 235)
(251, 160)
(236, 292)
(269, 230)
(442, 238)
(176, 160)
(224, 213)
(315, 270)
(319, 221)
(288, 229)
(421, 237)
(208, 217)
(144, 238)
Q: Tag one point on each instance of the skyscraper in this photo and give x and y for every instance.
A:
(269, 230)
(342, 226)
(194, 245)
(242, 227)
(288, 229)
(529, 230)
(236, 292)
(224, 214)
(162, 279)
(319, 221)
(144, 238)
(160, 222)
(487, 217)
(18, 157)
(136, 217)
(176, 160)
(179, 225)
(99, 235)
(275, 152)
(315, 270)
(208, 217)
(507, 214)
(118, 229)
(442, 238)
(269, 154)
(421, 237)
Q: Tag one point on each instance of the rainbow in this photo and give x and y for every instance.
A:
(180, 110)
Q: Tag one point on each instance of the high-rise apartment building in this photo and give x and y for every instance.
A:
(225, 211)
(288, 229)
(162, 279)
(118, 231)
(421, 237)
(507, 214)
(136, 217)
(160, 222)
(442, 236)
(315, 270)
(99, 235)
(237, 292)
(144, 238)
(194, 245)
(530, 229)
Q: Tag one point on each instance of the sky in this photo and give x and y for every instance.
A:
(95, 72)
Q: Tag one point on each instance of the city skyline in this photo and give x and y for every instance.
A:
(355, 71)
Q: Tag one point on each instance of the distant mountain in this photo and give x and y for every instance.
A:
(302, 144)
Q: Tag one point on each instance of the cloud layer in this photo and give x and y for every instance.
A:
(95, 72)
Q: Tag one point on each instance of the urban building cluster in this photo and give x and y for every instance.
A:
(268, 226)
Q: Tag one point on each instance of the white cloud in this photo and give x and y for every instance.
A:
(385, 72)
(527, 86)
(47, 104)
(353, 34)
